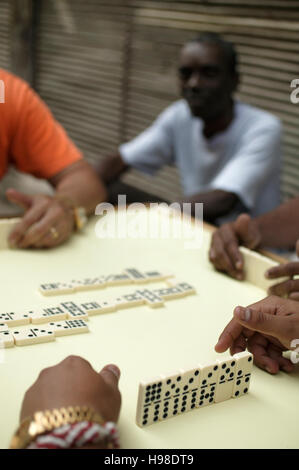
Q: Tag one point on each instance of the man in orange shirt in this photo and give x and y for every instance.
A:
(32, 141)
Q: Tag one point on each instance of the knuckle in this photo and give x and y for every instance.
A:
(44, 372)
(74, 361)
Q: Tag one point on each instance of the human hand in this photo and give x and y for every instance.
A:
(266, 329)
(47, 222)
(224, 252)
(289, 288)
(73, 382)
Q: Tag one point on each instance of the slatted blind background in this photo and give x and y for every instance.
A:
(5, 43)
(108, 67)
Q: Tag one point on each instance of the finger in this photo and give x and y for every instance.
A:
(284, 288)
(23, 200)
(229, 335)
(247, 231)
(239, 345)
(288, 269)
(42, 228)
(32, 216)
(231, 246)
(294, 296)
(111, 374)
(220, 258)
(257, 345)
(280, 327)
(62, 231)
(283, 362)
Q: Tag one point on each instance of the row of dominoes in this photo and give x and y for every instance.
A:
(72, 311)
(128, 276)
(185, 390)
(34, 335)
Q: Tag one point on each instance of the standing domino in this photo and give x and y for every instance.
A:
(243, 373)
(226, 379)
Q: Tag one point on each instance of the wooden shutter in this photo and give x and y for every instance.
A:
(80, 69)
(5, 29)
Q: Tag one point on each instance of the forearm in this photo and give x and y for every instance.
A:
(215, 203)
(81, 185)
(111, 168)
(280, 227)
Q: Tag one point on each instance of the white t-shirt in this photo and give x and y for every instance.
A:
(244, 159)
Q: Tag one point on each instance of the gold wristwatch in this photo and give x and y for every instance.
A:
(46, 421)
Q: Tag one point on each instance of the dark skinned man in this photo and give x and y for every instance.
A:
(227, 153)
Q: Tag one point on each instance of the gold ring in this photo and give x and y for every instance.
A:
(54, 232)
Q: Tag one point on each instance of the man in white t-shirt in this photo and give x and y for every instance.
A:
(227, 152)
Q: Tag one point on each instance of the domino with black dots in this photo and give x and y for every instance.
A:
(243, 373)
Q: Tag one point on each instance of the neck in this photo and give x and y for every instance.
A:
(219, 123)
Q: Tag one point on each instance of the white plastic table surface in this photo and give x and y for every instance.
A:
(145, 342)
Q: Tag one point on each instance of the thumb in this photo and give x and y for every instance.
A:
(110, 374)
(258, 320)
(247, 231)
(21, 199)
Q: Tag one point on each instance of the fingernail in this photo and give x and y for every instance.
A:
(243, 313)
(114, 369)
(239, 264)
(269, 370)
(268, 273)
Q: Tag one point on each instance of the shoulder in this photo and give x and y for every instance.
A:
(256, 118)
(12, 83)
(176, 112)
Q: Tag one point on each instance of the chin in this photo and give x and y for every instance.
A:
(198, 112)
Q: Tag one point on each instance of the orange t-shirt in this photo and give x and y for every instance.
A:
(30, 138)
